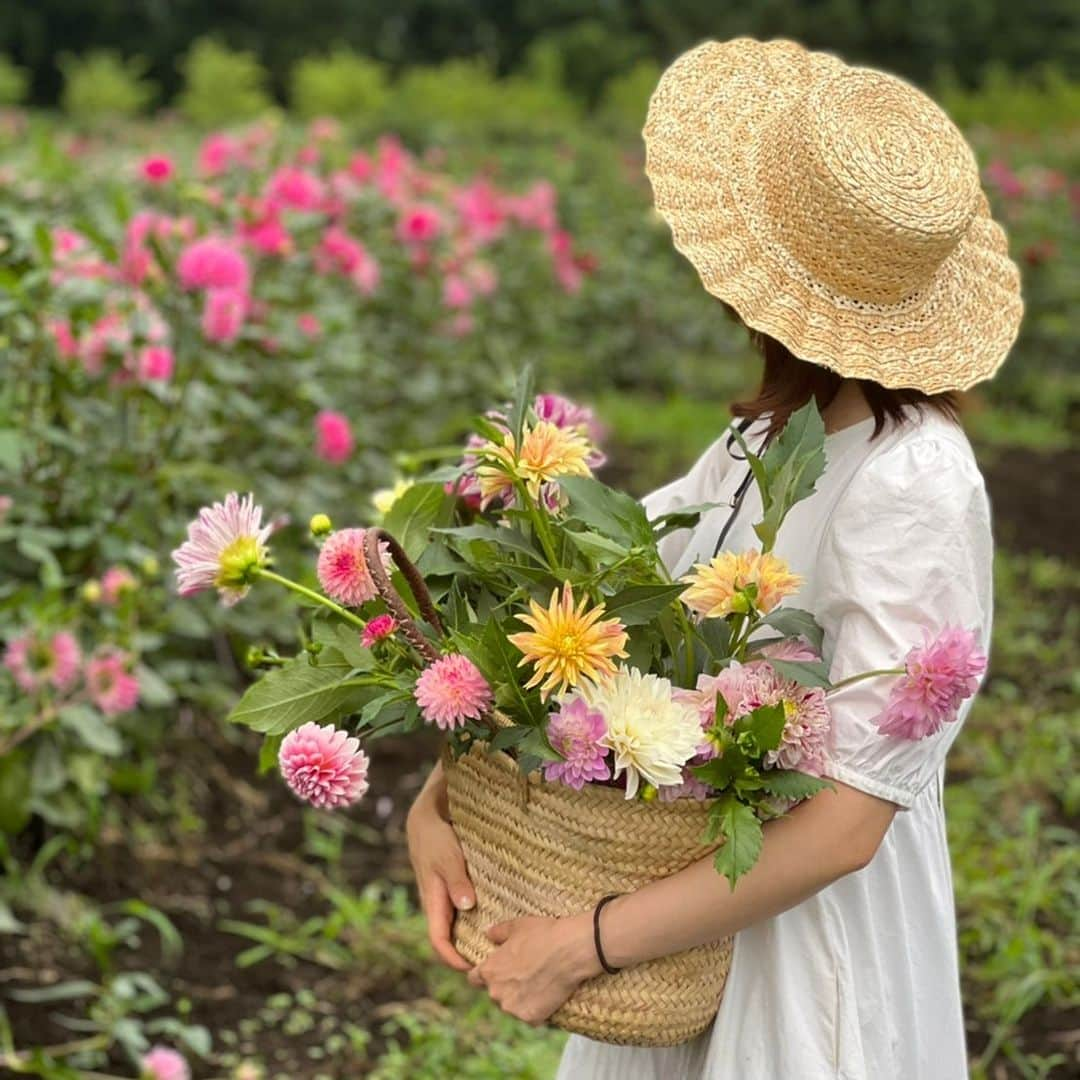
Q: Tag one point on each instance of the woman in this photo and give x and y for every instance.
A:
(839, 213)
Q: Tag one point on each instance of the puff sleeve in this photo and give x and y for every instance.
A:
(908, 547)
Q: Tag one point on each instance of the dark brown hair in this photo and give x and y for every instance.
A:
(788, 383)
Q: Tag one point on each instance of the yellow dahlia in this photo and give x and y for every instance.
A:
(547, 452)
(568, 644)
(716, 587)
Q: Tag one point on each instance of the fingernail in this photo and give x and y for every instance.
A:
(465, 903)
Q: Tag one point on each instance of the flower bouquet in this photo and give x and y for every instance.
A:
(605, 725)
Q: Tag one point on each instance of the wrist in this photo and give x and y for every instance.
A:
(580, 950)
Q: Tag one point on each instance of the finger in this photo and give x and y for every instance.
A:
(476, 978)
(457, 881)
(501, 931)
(440, 917)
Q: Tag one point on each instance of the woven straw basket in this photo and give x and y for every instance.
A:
(536, 848)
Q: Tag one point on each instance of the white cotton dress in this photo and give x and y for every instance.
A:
(860, 982)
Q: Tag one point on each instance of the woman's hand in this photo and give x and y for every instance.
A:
(439, 865)
(538, 964)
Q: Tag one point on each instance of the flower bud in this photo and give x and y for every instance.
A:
(91, 591)
(150, 566)
(320, 525)
(255, 656)
(649, 793)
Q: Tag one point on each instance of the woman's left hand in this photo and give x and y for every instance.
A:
(538, 964)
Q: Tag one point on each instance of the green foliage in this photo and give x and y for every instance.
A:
(102, 86)
(1036, 102)
(222, 85)
(14, 82)
(625, 101)
(342, 84)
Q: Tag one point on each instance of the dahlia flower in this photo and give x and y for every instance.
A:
(419, 224)
(225, 549)
(568, 644)
(114, 583)
(224, 312)
(650, 733)
(324, 766)
(716, 588)
(379, 628)
(383, 500)
(547, 453)
(296, 189)
(333, 437)
(112, 687)
(567, 414)
(35, 662)
(161, 1063)
(157, 169)
(213, 263)
(343, 568)
(155, 363)
(451, 691)
(575, 732)
(939, 675)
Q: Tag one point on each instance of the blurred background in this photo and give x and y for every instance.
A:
(397, 206)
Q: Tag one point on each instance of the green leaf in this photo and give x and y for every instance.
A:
(385, 707)
(765, 724)
(93, 729)
(684, 518)
(790, 784)
(346, 639)
(506, 737)
(504, 538)
(523, 400)
(597, 547)
(499, 659)
(639, 604)
(804, 672)
(721, 772)
(291, 695)
(14, 791)
(611, 513)
(794, 622)
(10, 449)
(414, 514)
(716, 635)
(740, 829)
(153, 689)
(268, 753)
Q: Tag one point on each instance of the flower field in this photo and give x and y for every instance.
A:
(278, 308)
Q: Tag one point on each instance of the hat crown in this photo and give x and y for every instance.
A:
(870, 186)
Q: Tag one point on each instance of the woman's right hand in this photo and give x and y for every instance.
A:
(439, 865)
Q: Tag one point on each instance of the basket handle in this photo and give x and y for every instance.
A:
(374, 538)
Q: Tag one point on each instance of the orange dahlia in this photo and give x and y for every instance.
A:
(547, 452)
(716, 588)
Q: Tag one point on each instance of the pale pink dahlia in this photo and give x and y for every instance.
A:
(112, 687)
(941, 673)
(161, 1063)
(575, 732)
(225, 549)
(382, 626)
(324, 766)
(343, 569)
(452, 691)
(213, 263)
(35, 662)
(334, 440)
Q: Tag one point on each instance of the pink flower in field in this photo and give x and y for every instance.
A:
(342, 568)
(110, 335)
(218, 153)
(157, 169)
(35, 662)
(480, 208)
(112, 687)
(451, 691)
(155, 363)
(264, 231)
(308, 324)
(940, 674)
(575, 732)
(361, 167)
(213, 263)
(224, 313)
(382, 626)
(536, 208)
(482, 278)
(161, 1063)
(67, 344)
(337, 252)
(67, 242)
(419, 224)
(324, 766)
(296, 189)
(333, 437)
(225, 549)
(325, 129)
(114, 582)
(456, 292)
(392, 164)
(461, 325)
(1004, 179)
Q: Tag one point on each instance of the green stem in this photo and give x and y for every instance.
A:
(865, 675)
(310, 594)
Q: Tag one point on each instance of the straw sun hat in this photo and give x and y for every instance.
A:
(836, 209)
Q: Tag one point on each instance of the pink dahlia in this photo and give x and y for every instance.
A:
(157, 169)
(213, 263)
(343, 569)
(296, 189)
(308, 324)
(333, 437)
(35, 662)
(456, 292)
(940, 674)
(114, 582)
(161, 1063)
(112, 687)
(225, 549)
(575, 732)
(324, 766)
(451, 691)
(379, 628)
(223, 315)
(690, 788)
(218, 153)
(419, 224)
(155, 363)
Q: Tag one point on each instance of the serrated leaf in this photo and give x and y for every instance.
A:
(611, 513)
(504, 538)
(742, 839)
(794, 622)
(790, 784)
(347, 640)
(765, 724)
(804, 672)
(686, 517)
(506, 737)
(597, 547)
(414, 513)
(639, 604)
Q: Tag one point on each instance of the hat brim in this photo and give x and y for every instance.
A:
(706, 118)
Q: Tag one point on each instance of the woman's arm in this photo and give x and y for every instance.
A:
(540, 962)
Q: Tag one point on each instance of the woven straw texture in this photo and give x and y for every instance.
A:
(837, 209)
(543, 849)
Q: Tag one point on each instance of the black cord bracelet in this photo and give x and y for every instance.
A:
(596, 933)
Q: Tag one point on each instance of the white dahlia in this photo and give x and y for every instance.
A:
(651, 736)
